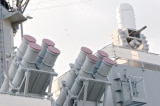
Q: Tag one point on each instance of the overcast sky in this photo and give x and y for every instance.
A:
(72, 24)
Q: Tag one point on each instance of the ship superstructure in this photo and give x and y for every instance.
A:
(125, 73)
(26, 72)
(121, 74)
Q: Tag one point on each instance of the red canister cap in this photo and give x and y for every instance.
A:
(35, 46)
(108, 60)
(29, 38)
(54, 50)
(92, 58)
(102, 53)
(48, 42)
(86, 50)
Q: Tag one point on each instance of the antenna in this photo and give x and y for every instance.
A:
(22, 4)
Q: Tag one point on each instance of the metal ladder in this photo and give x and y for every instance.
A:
(2, 47)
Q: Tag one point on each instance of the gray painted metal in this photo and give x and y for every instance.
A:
(145, 90)
(6, 41)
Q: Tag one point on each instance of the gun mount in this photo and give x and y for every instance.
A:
(136, 33)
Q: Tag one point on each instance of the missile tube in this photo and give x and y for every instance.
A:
(72, 75)
(28, 60)
(19, 54)
(100, 54)
(88, 66)
(14, 65)
(23, 46)
(45, 44)
(46, 65)
(77, 66)
(12, 71)
(86, 72)
(101, 74)
(34, 75)
(104, 68)
(50, 58)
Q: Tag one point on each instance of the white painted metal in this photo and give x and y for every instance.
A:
(24, 45)
(10, 100)
(88, 66)
(50, 57)
(104, 68)
(126, 17)
(100, 55)
(30, 55)
(135, 55)
(81, 57)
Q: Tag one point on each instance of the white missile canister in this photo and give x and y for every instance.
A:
(78, 63)
(81, 57)
(29, 58)
(45, 44)
(12, 69)
(104, 68)
(46, 65)
(96, 89)
(88, 66)
(72, 74)
(100, 55)
(24, 45)
(86, 72)
(28, 61)
(14, 66)
(49, 58)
